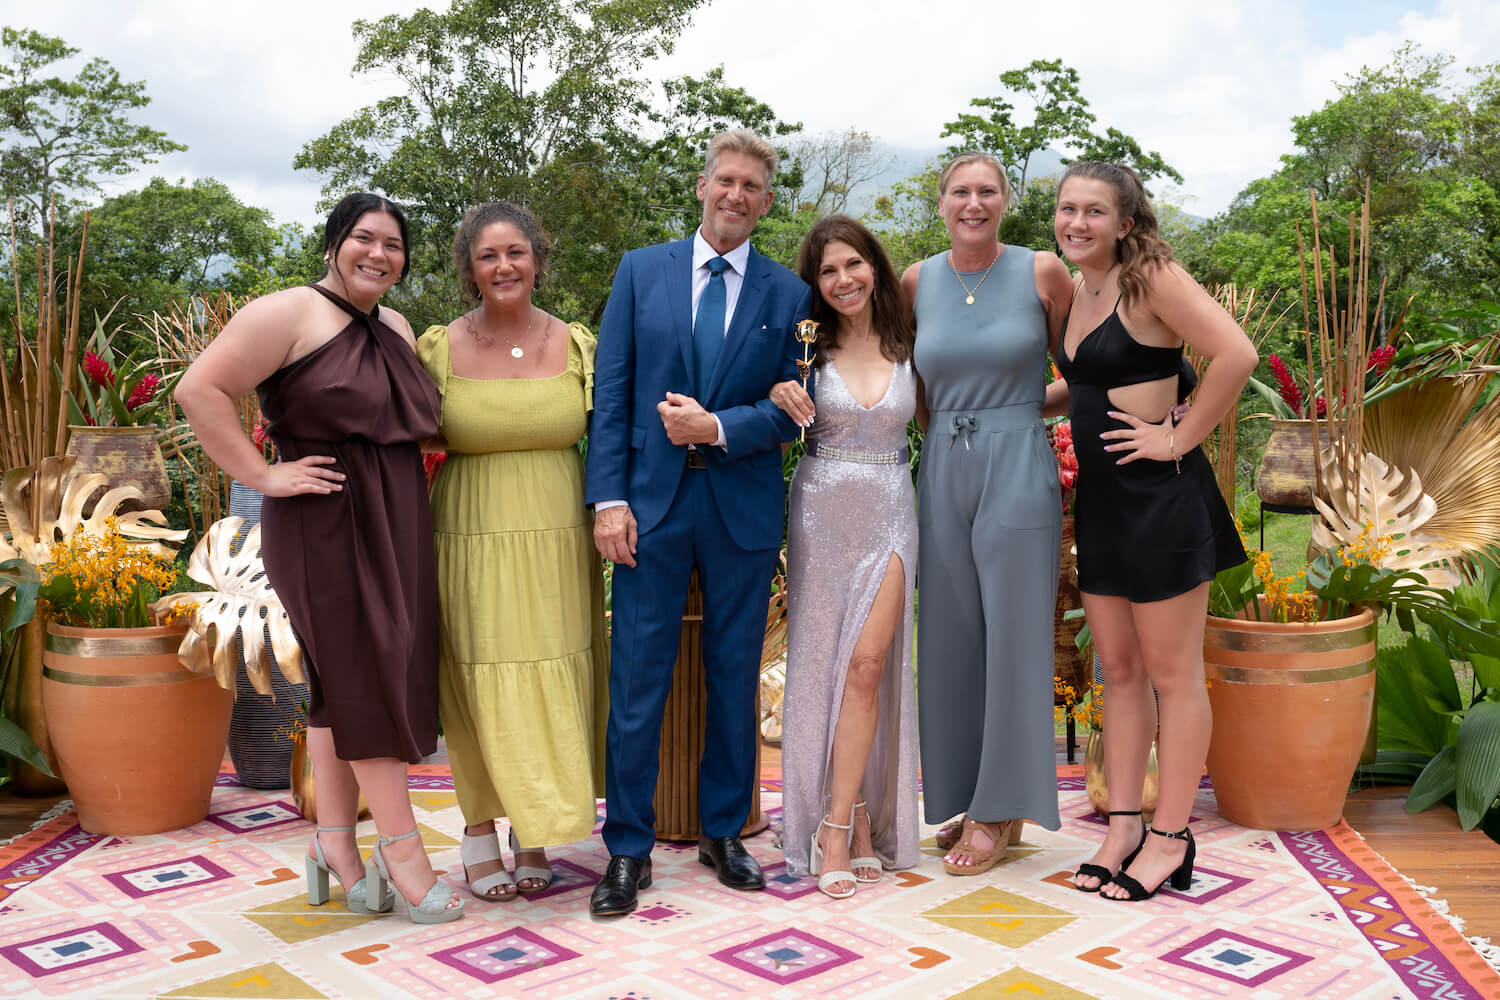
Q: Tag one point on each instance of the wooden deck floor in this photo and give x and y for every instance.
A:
(1429, 848)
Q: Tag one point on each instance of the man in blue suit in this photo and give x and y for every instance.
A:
(684, 472)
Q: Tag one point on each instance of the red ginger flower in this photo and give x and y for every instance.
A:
(1322, 407)
(1380, 359)
(97, 370)
(144, 392)
(1291, 394)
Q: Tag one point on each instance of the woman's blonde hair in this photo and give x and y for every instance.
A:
(974, 156)
(1142, 247)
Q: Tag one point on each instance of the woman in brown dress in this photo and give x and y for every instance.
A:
(346, 536)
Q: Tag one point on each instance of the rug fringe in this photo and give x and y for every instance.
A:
(1487, 951)
(47, 817)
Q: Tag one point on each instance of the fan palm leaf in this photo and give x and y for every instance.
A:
(1439, 431)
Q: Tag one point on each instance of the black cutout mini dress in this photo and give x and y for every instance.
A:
(1145, 531)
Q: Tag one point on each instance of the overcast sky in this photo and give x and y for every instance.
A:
(1210, 84)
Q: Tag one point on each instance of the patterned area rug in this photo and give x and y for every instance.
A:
(219, 910)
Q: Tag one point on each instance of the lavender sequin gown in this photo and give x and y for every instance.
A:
(847, 518)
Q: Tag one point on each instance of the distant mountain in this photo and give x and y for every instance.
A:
(902, 162)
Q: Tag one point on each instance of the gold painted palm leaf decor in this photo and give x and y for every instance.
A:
(239, 592)
(1383, 517)
(43, 506)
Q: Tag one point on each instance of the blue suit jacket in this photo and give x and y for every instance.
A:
(646, 350)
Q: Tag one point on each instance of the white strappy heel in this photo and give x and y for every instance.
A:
(827, 880)
(859, 863)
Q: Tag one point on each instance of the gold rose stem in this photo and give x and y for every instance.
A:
(802, 434)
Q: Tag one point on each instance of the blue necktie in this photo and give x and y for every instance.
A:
(708, 325)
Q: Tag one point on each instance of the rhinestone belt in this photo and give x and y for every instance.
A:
(863, 456)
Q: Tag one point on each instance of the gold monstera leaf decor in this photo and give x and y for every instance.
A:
(1387, 509)
(43, 506)
(240, 593)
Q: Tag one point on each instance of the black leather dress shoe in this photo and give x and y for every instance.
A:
(736, 868)
(615, 894)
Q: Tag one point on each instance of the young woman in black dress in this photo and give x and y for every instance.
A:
(1151, 526)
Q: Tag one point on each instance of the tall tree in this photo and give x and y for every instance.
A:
(1425, 149)
(833, 165)
(62, 135)
(1060, 118)
(174, 240)
(542, 102)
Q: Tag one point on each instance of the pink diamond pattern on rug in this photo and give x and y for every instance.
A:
(261, 816)
(787, 956)
(138, 883)
(1236, 958)
(504, 955)
(783, 885)
(69, 950)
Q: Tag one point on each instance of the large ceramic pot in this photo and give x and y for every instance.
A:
(258, 743)
(1288, 477)
(23, 706)
(138, 736)
(126, 456)
(1291, 712)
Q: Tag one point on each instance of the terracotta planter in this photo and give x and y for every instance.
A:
(138, 736)
(1288, 474)
(23, 706)
(127, 456)
(1096, 781)
(1292, 709)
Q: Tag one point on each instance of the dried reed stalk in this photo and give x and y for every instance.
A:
(1254, 317)
(180, 336)
(1344, 339)
(36, 425)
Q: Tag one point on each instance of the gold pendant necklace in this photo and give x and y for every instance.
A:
(515, 348)
(969, 300)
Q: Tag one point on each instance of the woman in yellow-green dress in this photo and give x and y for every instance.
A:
(523, 665)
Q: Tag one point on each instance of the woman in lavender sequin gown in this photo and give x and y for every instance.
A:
(849, 736)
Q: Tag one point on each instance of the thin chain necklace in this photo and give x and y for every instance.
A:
(515, 348)
(970, 291)
(1095, 291)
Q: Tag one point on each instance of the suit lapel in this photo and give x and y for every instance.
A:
(680, 299)
(752, 294)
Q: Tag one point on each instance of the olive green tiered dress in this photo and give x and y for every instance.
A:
(523, 669)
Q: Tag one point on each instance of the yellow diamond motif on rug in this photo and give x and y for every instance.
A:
(293, 921)
(434, 800)
(1023, 985)
(1002, 917)
(434, 840)
(262, 982)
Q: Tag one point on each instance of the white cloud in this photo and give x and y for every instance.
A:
(1213, 87)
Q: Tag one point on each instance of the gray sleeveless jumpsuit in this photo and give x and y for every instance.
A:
(989, 519)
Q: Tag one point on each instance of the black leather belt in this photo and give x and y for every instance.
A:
(695, 460)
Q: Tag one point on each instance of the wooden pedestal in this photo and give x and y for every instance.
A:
(676, 800)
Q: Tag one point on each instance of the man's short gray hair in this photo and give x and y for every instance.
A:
(742, 140)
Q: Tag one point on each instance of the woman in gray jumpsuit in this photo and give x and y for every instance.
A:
(989, 518)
